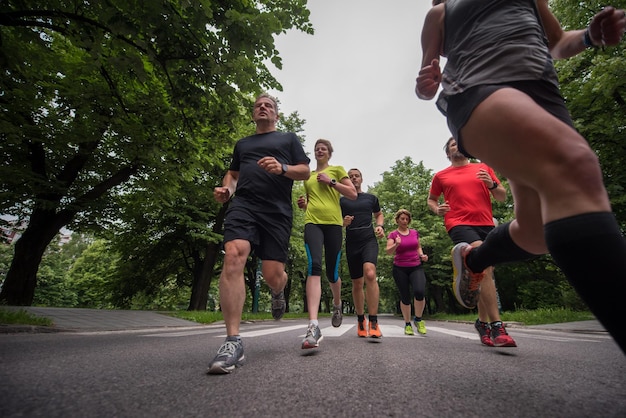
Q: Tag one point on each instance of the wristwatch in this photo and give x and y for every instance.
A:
(284, 169)
(495, 184)
(333, 182)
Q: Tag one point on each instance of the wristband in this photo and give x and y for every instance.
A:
(587, 39)
(382, 226)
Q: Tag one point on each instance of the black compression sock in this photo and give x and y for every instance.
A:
(497, 248)
(591, 252)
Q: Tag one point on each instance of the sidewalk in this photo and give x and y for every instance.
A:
(77, 319)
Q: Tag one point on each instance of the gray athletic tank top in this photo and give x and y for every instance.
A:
(493, 42)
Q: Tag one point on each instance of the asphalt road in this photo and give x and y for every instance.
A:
(159, 371)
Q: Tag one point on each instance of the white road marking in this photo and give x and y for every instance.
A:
(389, 331)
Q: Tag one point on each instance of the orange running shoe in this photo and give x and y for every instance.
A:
(374, 330)
(361, 329)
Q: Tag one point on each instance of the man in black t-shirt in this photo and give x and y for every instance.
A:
(259, 218)
(362, 252)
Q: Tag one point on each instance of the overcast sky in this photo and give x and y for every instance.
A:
(353, 82)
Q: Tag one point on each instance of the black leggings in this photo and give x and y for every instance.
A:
(410, 276)
(330, 238)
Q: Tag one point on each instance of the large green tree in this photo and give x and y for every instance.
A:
(101, 99)
(594, 87)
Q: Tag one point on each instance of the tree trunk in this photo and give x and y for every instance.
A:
(21, 279)
(203, 278)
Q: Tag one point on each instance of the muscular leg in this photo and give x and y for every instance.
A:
(313, 295)
(358, 296)
(488, 301)
(373, 292)
(529, 146)
(232, 284)
(335, 288)
(274, 275)
(532, 148)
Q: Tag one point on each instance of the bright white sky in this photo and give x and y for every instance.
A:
(353, 82)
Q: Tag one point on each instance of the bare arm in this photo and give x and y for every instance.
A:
(429, 77)
(298, 172)
(435, 207)
(229, 184)
(606, 28)
(391, 246)
(379, 229)
(346, 188)
(499, 193)
(433, 203)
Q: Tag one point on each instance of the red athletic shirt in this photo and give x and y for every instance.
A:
(469, 198)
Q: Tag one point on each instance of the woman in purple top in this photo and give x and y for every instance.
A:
(408, 271)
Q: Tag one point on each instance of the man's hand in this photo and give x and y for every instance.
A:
(607, 27)
(221, 194)
(484, 176)
(271, 165)
(443, 209)
(302, 202)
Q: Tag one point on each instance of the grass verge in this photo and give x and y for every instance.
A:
(22, 317)
(527, 317)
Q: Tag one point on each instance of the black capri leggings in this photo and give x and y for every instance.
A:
(413, 277)
(328, 237)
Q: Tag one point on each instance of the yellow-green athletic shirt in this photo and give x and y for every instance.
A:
(323, 204)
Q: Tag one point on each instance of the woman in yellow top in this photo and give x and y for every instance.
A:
(323, 229)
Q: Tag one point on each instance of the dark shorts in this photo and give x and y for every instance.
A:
(268, 234)
(358, 253)
(545, 94)
(469, 233)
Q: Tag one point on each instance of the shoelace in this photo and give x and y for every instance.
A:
(475, 279)
(277, 300)
(310, 331)
(228, 348)
(499, 330)
(362, 326)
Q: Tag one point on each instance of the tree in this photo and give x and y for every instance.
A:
(594, 87)
(89, 276)
(101, 99)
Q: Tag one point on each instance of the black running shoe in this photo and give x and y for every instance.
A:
(278, 304)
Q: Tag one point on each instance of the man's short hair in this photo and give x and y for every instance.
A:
(269, 96)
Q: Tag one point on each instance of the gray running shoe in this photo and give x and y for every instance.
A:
(337, 316)
(278, 304)
(229, 356)
(466, 284)
(313, 337)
